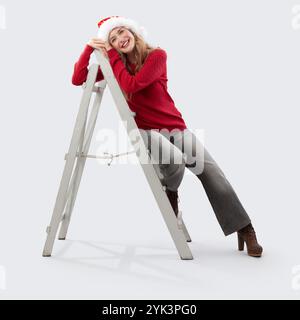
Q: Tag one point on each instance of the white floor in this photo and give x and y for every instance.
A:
(122, 250)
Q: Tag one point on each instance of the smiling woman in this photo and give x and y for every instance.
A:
(123, 40)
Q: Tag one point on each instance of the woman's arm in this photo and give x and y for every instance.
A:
(152, 69)
(81, 67)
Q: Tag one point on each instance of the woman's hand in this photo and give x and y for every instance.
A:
(107, 45)
(100, 44)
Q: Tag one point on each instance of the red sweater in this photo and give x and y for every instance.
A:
(154, 107)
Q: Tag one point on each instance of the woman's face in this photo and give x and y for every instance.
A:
(121, 36)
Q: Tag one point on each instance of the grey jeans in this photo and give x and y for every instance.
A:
(173, 151)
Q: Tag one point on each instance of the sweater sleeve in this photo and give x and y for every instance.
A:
(152, 69)
(81, 67)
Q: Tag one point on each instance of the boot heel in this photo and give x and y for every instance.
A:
(240, 242)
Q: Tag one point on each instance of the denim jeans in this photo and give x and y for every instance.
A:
(173, 151)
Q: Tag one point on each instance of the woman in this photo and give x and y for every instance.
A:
(141, 72)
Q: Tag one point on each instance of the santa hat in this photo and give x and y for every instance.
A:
(109, 23)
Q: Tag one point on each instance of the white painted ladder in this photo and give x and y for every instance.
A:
(78, 152)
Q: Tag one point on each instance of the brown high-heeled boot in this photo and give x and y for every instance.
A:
(247, 234)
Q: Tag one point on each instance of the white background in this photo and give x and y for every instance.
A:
(233, 70)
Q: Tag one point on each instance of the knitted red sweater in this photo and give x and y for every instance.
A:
(154, 107)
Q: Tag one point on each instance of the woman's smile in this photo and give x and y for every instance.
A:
(125, 44)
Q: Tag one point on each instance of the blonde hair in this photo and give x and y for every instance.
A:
(140, 53)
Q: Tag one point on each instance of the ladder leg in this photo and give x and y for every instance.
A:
(186, 233)
(178, 235)
(80, 164)
(69, 164)
(71, 191)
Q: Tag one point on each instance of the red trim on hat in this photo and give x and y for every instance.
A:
(103, 20)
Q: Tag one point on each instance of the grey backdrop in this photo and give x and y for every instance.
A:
(233, 70)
